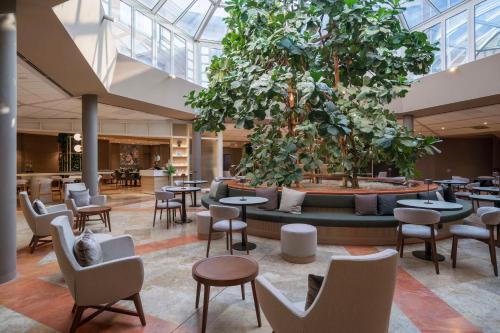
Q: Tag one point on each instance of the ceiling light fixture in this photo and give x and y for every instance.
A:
(78, 148)
(485, 123)
(172, 76)
(442, 128)
(453, 69)
(77, 137)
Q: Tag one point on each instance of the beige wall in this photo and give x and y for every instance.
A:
(467, 157)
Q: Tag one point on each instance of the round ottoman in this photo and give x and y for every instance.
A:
(298, 243)
(203, 223)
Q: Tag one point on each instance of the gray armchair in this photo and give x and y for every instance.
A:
(356, 296)
(40, 223)
(97, 200)
(99, 286)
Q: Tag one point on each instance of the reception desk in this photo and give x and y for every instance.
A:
(153, 180)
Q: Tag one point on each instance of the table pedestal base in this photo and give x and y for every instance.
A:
(426, 256)
(180, 221)
(243, 246)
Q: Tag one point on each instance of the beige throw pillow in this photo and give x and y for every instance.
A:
(291, 201)
(213, 189)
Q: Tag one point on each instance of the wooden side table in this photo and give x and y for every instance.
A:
(84, 215)
(225, 271)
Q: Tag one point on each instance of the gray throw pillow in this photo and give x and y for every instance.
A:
(314, 283)
(222, 190)
(81, 198)
(271, 194)
(386, 204)
(87, 249)
(39, 207)
(213, 189)
(365, 204)
(291, 201)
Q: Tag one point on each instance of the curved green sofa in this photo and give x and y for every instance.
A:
(334, 210)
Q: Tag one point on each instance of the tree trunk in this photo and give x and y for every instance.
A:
(354, 178)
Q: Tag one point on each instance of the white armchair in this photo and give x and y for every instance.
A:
(356, 296)
(40, 223)
(99, 286)
(97, 200)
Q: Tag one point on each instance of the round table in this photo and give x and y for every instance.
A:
(225, 271)
(183, 191)
(434, 205)
(195, 183)
(451, 182)
(489, 189)
(243, 201)
(85, 213)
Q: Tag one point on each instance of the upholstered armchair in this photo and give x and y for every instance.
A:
(40, 223)
(118, 277)
(97, 200)
(356, 296)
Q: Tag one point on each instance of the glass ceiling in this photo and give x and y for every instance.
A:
(200, 19)
(419, 11)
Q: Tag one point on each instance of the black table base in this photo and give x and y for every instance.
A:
(427, 254)
(180, 221)
(243, 246)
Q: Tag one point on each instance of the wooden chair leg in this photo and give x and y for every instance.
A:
(454, 249)
(209, 240)
(76, 319)
(244, 236)
(154, 218)
(434, 252)
(231, 241)
(34, 244)
(161, 212)
(243, 291)
(227, 241)
(493, 251)
(198, 289)
(138, 307)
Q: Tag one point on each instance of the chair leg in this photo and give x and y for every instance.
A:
(76, 319)
(454, 248)
(154, 218)
(231, 241)
(34, 244)
(434, 252)
(243, 291)
(161, 212)
(227, 241)
(209, 240)
(138, 307)
(493, 254)
(244, 236)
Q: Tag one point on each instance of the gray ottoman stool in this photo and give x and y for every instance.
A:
(298, 243)
(203, 223)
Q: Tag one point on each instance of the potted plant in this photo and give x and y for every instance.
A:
(170, 170)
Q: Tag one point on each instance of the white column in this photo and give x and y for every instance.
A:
(196, 155)
(90, 124)
(8, 113)
(220, 154)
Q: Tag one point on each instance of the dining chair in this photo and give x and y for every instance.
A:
(490, 217)
(163, 201)
(225, 217)
(417, 223)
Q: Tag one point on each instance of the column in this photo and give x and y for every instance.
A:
(8, 112)
(408, 121)
(196, 155)
(220, 154)
(89, 133)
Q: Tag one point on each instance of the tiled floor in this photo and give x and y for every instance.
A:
(465, 299)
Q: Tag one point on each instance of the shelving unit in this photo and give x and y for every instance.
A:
(179, 156)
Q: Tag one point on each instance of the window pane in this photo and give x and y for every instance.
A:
(149, 3)
(206, 58)
(173, 8)
(179, 56)
(456, 40)
(122, 30)
(445, 4)
(191, 21)
(487, 29)
(417, 12)
(164, 46)
(143, 38)
(190, 61)
(434, 36)
(216, 28)
(105, 5)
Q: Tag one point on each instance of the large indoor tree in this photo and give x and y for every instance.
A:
(313, 81)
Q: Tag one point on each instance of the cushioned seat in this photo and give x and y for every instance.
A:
(224, 225)
(467, 231)
(171, 204)
(298, 243)
(203, 226)
(419, 231)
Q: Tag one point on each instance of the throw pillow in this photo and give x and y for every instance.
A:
(386, 204)
(365, 204)
(39, 207)
(213, 189)
(423, 195)
(271, 194)
(448, 194)
(439, 196)
(314, 283)
(82, 198)
(221, 192)
(291, 201)
(87, 249)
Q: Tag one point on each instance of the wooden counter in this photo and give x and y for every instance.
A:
(153, 180)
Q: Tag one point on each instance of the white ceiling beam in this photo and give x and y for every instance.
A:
(205, 21)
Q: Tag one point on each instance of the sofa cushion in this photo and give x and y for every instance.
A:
(386, 204)
(214, 186)
(314, 283)
(271, 194)
(81, 198)
(365, 204)
(39, 207)
(221, 191)
(87, 249)
(291, 201)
